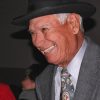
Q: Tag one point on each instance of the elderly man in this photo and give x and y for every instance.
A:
(57, 32)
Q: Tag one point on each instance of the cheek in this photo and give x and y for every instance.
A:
(64, 46)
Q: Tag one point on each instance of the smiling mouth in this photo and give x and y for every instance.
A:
(48, 49)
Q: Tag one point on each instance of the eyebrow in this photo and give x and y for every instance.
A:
(46, 25)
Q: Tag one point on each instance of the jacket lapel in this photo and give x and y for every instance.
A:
(88, 74)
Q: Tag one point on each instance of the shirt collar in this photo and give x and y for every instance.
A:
(74, 66)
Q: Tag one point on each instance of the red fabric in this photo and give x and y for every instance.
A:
(6, 93)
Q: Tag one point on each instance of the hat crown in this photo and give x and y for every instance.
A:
(37, 8)
(38, 4)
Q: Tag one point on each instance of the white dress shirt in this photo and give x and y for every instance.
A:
(73, 68)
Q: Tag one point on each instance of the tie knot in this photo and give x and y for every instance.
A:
(64, 73)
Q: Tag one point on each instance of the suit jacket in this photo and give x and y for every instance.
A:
(88, 84)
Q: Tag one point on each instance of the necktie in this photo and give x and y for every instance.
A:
(67, 88)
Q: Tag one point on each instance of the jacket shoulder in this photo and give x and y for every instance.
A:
(47, 73)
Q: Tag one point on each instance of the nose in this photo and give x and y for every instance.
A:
(38, 39)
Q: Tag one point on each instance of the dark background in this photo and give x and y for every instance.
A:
(16, 54)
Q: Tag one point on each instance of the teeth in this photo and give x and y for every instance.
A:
(48, 50)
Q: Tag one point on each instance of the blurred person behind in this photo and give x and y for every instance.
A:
(28, 81)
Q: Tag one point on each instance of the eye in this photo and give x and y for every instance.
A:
(32, 33)
(44, 30)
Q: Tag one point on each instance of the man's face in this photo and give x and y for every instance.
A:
(56, 41)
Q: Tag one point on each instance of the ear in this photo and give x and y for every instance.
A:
(74, 22)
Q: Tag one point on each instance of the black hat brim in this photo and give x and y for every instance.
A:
(82, 8)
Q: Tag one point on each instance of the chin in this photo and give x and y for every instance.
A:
(52, 61)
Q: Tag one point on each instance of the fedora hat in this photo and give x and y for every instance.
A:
(37, 8)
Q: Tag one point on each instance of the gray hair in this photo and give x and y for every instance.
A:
(62, 19)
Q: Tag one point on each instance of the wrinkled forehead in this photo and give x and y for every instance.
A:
(42, 21)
